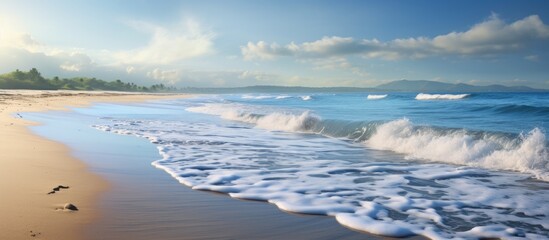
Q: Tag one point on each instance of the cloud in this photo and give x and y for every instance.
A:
(257, 76)
(490, 37)
(262, 50)
(25, 48)
(18, 58)
(169, 76)
(169, 45)
(19, 41)
(21, 50)
(130, 69)
(74, 61)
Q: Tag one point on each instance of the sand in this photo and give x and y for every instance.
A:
(31, 167)
(137, 202)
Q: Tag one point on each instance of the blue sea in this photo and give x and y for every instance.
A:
(463, 166)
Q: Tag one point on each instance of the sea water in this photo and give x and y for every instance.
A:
(397, 164)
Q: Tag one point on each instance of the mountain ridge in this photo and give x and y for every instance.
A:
(426, 86)
(434, 86)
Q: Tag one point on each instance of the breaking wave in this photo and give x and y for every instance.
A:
(376, 97)
(256, 97)
(425, 96)
(526, 152)
(306, 98)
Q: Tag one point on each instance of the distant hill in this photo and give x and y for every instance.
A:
(433, 86)
(395, 86)
(34, 80)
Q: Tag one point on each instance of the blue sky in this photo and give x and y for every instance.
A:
(305, 43)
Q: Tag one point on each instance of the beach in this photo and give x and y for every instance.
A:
(200, 120)
(32, 166)
(118, 194)
(178, 167)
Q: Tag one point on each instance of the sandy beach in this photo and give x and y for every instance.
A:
(127, 199)
(31, 167)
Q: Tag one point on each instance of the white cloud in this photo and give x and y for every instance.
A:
(169, 76)
(19, 41)
(70, 67)
(170, 45)
(258, 76)
(130, 69)
(262, 50)
(31, 50)
(74, 61)
(491, 37)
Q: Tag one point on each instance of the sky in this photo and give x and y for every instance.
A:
(293, 43)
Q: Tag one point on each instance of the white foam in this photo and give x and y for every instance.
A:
(306, 98)
(367, 224)
(376, 97)
(425, 96)
(257, 97)
(527, 154)
(275, 121)
(438, 201)
(283, 97)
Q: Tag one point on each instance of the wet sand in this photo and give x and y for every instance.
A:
(31, 167)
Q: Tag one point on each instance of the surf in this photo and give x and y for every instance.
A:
(376, 97)
(525, 152)
(425, 96)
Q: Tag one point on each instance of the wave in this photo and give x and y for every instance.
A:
(256, 97)
(527, 153)
(277, 121)
(306, 98)
(376, 97)
(425, 96)
(283, 97)
(514, 108)
(265, 97)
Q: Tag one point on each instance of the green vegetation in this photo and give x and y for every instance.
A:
(34, 80)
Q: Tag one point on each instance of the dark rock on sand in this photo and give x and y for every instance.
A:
(58, 188)
(70, 206)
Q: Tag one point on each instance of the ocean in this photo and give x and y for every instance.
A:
(398, 164)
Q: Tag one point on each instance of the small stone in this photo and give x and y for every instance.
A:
(70, 206)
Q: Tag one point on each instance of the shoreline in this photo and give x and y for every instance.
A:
(143, 202)
(31, 166)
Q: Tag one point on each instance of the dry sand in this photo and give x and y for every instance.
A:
(31, 166)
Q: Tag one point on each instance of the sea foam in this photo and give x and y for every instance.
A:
(526, 153)
(376, 97)
(439, 201)
(256, 97)
(425, 96)
(277, 121)
(306, 98)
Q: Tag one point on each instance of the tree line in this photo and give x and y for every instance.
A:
(34, 80)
